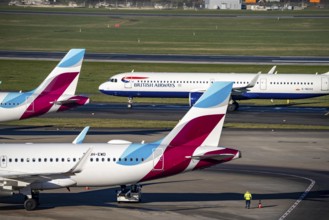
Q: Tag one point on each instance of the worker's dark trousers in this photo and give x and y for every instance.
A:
(248, 204)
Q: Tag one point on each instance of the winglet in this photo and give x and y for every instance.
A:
(272, 70)
(79, 139)
(253, 81)
(80, 164)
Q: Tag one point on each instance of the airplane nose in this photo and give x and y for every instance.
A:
(102, 87)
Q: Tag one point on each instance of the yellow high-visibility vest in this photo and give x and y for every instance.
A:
(247, 196)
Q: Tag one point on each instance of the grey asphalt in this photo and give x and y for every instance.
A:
(246, 113)
(168, 58)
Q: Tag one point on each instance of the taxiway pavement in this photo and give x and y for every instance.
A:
(277, 167)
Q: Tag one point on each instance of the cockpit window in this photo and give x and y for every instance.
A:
(113, 80)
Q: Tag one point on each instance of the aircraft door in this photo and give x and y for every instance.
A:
(263, 84)
(158, 164)
(128, 82)
(324, 83)
(3, 161)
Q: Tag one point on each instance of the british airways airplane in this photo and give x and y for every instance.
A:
(191, 145)
(55, 93)
(192, 85)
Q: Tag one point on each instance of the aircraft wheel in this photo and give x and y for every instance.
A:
(233, 107)
(30, 204)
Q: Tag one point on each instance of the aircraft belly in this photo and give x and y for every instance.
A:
(112, 174)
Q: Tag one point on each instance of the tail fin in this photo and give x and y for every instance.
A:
(64, 77)
(58, 88)
(202, 124)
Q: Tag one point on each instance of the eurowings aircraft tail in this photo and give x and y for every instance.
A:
(193, 143)
(55, 93)
(202, 125)
(64, 77)
(59, 87)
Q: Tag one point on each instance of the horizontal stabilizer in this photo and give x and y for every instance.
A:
(212, 157)
(66, 102)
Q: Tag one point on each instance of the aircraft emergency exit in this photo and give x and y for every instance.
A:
(55, 93)
(191, 145)
(192, 85)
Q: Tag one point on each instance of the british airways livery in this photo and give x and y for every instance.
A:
(192, 85)
(191, 145)
(55, 93)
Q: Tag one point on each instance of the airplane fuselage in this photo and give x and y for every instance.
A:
(180, 85)
(107, 165)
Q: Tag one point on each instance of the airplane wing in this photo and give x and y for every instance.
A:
(31, 177)
(252, 83)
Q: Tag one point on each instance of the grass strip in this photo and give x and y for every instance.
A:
(145, 124)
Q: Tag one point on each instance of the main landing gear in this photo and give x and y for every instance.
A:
(130, 194)
(232, 106)
(31, 201)
(130, 102)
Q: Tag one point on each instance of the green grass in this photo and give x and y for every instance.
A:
(166, 35)
(143, 124)
(93, 122)
(26, 75)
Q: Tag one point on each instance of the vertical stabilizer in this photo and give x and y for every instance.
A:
(202, 124)
(64, 77)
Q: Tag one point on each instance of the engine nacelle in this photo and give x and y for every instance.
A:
(53, 184)
(194, 97)
(6, 193)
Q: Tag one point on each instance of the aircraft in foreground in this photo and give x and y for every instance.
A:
(55, 93)
(191, 145)
(192, 85)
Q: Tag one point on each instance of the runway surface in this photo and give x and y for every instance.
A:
(165, 58)
(166, 14)
(277, 167)
(245, 114)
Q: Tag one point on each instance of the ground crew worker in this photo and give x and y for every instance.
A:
(247, 197)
